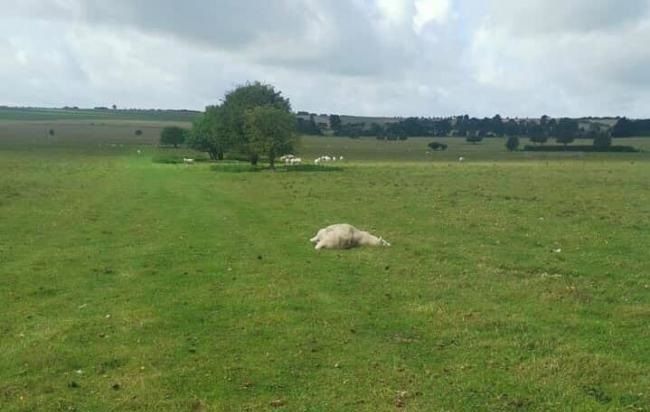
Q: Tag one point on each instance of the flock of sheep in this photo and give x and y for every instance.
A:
(292, 160)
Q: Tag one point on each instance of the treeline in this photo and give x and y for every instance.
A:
(539, 131)
(629, 128)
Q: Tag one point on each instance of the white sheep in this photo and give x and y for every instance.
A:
(188, 160)
(340, 157)
(317, 161)
(295, 161)
(461, 159)
(344, 236)
(286, 157)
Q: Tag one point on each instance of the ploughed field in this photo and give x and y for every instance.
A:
(512, 283)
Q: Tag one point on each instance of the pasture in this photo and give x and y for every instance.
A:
(515, 282)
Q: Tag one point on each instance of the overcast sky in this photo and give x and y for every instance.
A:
(369, 57)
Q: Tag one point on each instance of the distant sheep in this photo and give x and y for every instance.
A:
(188, 161)
(295, 161)
(286, 158)
(327, 158)
(461, 159)
(344, 236)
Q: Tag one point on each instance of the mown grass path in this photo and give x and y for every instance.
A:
(132, 285)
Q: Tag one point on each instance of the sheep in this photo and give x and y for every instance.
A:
(344, 236)
(295, 161)
(139, 151)
(340, 157)
(461, 159)
(188, 161)
(286, 157)
(317, 161)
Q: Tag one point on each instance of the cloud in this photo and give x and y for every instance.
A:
(427, 11)
(585, 58)
(544, 17)
(384, 57)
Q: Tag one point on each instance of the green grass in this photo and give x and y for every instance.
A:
(128, 284)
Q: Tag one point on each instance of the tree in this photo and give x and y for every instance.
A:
(512, 143)
(497, 125)
(308, 127)
(437, 146)
(229, 125)
(602, 141)
(536, 134)
(623, 128)
(442, 127)
(335, 122)
(377, 130)
(511, 128)
(566, 130)
(205, 136)
(270, 131)
(474, 138)
(172, 135)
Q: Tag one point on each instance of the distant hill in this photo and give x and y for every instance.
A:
(98, 113)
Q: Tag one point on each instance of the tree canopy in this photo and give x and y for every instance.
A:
(206, 136)
(223, 128)
(512, 143)
(270, 131)
(232, 112)
(172, 135)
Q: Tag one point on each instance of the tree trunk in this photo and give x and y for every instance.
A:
(220, 156)
(254, 159)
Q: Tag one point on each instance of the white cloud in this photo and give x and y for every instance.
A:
(384, 57)
(581, 58)
(428, 11)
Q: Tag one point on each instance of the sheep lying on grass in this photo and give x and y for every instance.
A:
(324, 159)
(188, 161)
(344, 236)
(287, 158)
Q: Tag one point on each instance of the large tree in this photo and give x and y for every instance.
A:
(232, 114)
(512, 143)
(566, 130)
(205, 135)
(335, 122)
(172, 135)
(270, 131)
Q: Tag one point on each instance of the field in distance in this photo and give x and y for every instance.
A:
(84, 134)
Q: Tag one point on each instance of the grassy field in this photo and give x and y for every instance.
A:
(51, 114)
(514, 282)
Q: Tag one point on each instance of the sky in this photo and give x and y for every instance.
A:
(364, 57)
